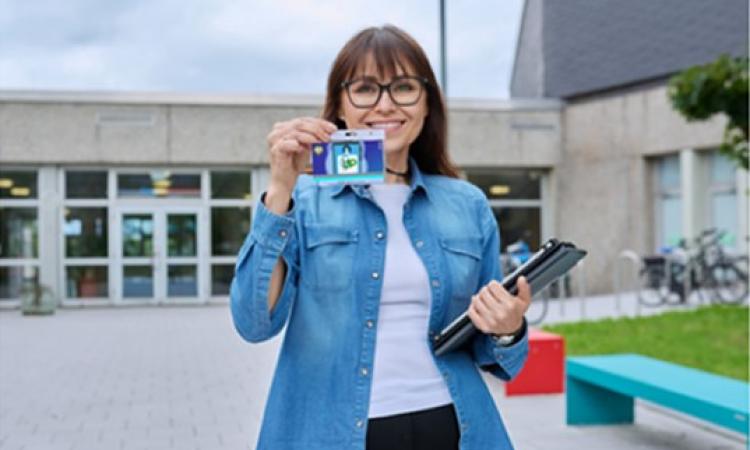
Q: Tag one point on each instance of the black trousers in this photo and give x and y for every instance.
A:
(429, 429)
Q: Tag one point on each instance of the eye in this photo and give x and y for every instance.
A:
(364, 88)
(404, 86)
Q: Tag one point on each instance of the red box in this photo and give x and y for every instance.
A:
(544, 371)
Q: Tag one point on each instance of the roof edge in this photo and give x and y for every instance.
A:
(206, 99)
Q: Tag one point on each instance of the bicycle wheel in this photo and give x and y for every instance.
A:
(729, 282)
(654, 288)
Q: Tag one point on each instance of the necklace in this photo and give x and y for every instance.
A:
(401, 174)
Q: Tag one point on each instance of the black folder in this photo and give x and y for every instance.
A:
(553, 260)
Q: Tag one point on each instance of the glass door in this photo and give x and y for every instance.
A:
(158, 255)
(181, 254)
(138, 258)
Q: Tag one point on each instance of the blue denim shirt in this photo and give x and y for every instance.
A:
(333, 242)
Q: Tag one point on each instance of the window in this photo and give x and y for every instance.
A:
(516, 200)
(231, 196)
(723, 198)
(230, 185)
(221, 278)
(668, 201)
(18, 184)
(158, 184)
(88, 184)
(85, 229)
(19, 232)
(229, 225)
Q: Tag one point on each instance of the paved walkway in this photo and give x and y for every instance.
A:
(179, 377)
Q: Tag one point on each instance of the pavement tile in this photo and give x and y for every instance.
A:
(180, 378)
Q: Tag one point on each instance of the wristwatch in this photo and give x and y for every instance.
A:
(506, 340)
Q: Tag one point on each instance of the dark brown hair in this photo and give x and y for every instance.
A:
(393, 48)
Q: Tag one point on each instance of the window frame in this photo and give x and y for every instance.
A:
(35, 203)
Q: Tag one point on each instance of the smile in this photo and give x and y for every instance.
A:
(388, 126)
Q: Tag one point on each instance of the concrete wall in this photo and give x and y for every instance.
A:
(604, 192)
(203, 130)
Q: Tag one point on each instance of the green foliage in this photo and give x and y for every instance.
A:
(719, 87)
(714, 338)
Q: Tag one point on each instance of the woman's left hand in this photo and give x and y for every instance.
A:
(493, 310)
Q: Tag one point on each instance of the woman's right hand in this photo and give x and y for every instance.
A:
(288, 152)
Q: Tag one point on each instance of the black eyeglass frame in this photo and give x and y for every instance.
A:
(385, 87)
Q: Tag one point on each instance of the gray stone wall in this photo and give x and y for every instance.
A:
(604, 191)
(100, 131)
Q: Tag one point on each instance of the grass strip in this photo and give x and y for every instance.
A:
(711, 338)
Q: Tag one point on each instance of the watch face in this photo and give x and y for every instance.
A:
(504, 340)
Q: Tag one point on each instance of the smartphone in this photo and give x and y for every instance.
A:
(352, 156)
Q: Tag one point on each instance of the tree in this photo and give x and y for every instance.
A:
(718, 87)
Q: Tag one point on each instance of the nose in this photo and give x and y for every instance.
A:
(385, 103)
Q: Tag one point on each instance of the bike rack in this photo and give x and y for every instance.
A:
(582, 288)
(581, 284)
(626, 256)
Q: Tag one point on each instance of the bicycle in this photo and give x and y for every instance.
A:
(706, 268)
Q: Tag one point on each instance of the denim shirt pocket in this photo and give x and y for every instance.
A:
(329, 255)
(463, 256)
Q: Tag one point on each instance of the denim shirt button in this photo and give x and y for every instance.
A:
(419, 244)
(360, 423)
(364, 371)
(375, 275)
(370, 324)
(282, 233)
(436, 283)
(379, 235)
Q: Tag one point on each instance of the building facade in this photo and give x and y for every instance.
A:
(125, 199)
(643, 177)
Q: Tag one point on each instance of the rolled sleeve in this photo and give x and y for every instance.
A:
(503, 362)
(272, 236)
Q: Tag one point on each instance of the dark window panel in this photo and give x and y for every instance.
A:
(18, 184)
(232, 185)
(85, 232)
(221, 278)
(19, 234)
(508, 184)
(85, 184)
(229, 226)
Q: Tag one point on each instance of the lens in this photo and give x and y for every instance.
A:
(364, 92)
(405, 91)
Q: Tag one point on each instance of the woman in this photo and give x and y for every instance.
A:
(367, 275)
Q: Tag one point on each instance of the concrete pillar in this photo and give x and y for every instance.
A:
(743, 210)
(690, 191)
(50, 199)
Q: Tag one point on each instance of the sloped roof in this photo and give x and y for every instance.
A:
(596, 45)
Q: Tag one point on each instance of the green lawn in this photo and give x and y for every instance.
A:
(713, 338)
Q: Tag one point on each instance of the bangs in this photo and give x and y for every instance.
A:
(388, 54)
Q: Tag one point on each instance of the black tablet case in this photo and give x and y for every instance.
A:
(554, 259)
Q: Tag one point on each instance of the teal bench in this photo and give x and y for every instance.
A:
(601, 389)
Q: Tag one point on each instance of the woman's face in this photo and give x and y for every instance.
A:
(402, 124)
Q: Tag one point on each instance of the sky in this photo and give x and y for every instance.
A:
(230, 46)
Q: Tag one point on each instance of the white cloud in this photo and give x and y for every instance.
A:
(283, 46)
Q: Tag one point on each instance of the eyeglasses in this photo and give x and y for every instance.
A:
(366, 92)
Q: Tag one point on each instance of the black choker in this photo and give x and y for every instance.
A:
(401, 174)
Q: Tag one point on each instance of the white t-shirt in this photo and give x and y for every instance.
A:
(405, 377)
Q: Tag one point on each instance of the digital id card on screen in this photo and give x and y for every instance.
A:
(352, 156)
